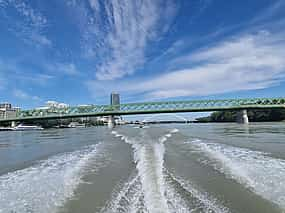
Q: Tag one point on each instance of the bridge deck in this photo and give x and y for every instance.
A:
(148, 108)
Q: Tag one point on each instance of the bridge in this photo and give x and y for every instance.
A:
(115, 108)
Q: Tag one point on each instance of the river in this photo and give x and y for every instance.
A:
(157, 169)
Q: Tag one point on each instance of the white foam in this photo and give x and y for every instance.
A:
(116, 134)
(150, 185)
(205, 201)
(162, 139)
(149, 163)
(256, 170)
(149, 159)
(148, 156)
(168, 135)
(127, 199)
(44, 187)
(174, 130)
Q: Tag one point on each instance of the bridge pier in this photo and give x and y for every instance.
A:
(242, 117)
(115, 102)
(111, 121)
(13, 124)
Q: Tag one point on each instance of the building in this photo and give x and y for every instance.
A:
(55, 104)
(115, 98)
(5, 105)
(7, 111)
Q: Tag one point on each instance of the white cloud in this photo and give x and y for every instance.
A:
(250, 62)
(24, 96)
(246, 63)
(275, 9)
(40, 39)
(35, 18)
(68, 68)
(39, 79)
(31, 24)
(63, 68)
(12, 71)
(118, 33)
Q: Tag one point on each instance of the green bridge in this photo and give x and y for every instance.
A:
(148, 108)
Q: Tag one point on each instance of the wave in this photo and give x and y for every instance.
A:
(256, 170)
(181, 196)
(174, 130)
(149, 159)
(45, 186)
(128, 198)
(154, 189)
(185, 197)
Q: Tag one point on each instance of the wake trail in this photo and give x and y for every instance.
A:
(256, 170)
(44, 187)
(154, 189)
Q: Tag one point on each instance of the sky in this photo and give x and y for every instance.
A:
(79, 51)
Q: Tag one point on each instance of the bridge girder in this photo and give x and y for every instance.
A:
(148, 108)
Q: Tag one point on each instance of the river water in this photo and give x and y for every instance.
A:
(159, 169)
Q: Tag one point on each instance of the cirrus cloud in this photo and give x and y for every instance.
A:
(118, 33)
(20, 94)
(248, 62)
(30, 25)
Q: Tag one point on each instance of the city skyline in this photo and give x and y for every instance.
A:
(78, 52)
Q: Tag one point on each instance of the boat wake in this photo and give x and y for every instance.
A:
(256, 170)
(45, 186)
(153, 188)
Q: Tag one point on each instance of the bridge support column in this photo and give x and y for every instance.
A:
(13, 124)
(242, 117)
(115, 103)
(111, 121)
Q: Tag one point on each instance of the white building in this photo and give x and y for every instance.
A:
(7, 111)
(55, 104)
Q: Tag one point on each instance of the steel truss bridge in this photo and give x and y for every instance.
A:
(147, 108)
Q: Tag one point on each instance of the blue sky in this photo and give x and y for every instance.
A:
(78, 51)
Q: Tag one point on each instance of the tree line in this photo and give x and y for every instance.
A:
(64, 122)
(254, 115)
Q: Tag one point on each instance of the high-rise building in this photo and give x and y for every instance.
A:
(115, 98)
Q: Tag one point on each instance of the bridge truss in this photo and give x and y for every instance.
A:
(148, 108)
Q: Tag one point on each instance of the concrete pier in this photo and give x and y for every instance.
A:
(242, 117)
(111, 121)
(115, 102)
(13, 124)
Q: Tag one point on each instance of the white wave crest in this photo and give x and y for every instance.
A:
(154, 189)
(44, 187)
(256, 170)
(201, 201)
(148, 156)
(128, 199)
(149, 163)
(174, 130)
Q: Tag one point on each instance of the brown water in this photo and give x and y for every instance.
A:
(166, 168)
